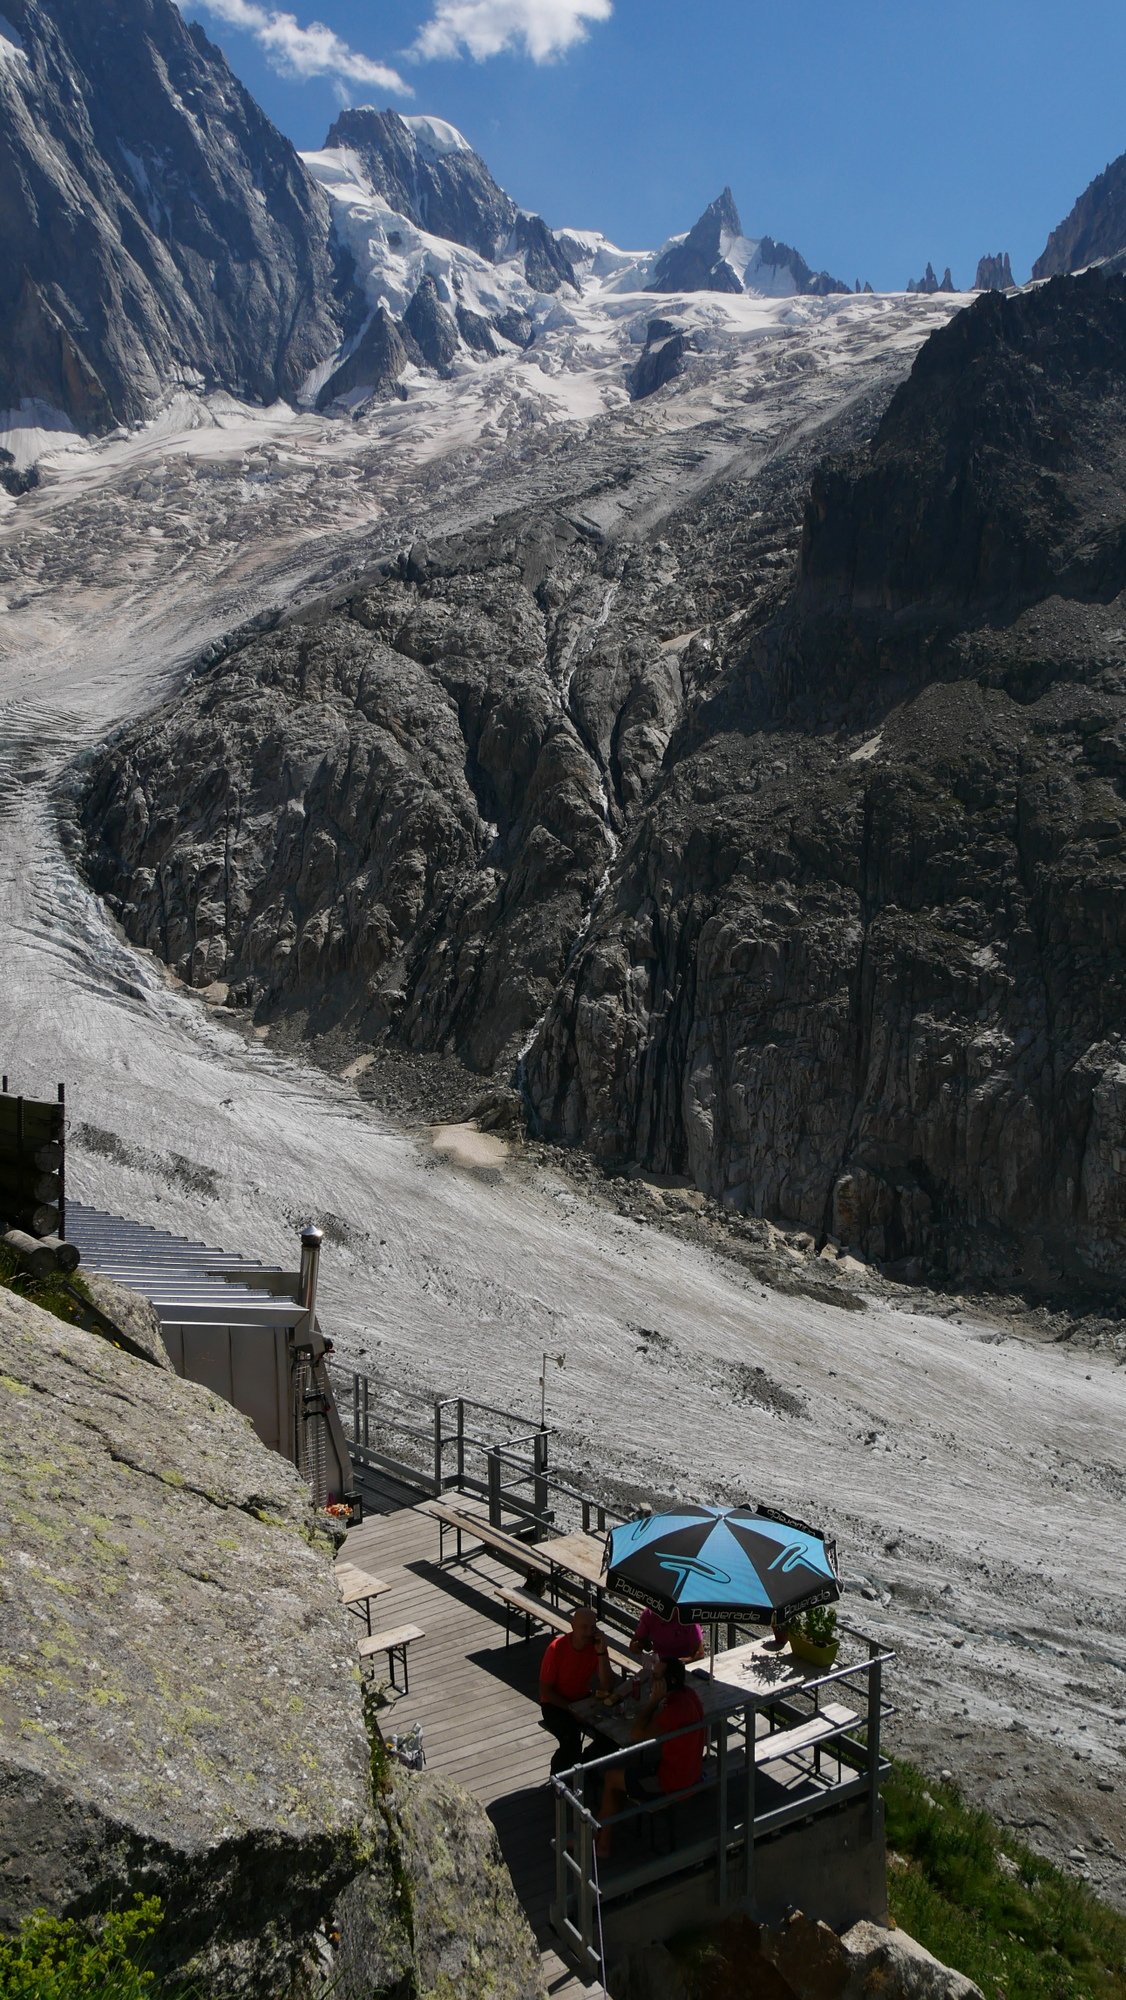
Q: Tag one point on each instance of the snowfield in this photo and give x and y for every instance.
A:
(974, 1479)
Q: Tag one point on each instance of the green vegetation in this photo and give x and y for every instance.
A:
(55, 1958)
(984, 1903)
(53, 1293)
(819, 1626)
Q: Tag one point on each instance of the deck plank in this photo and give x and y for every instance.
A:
(476, 1701)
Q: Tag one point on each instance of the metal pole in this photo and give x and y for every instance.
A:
(437, 1444)
(749, 1832)
(311, 1240)
(875, 1689)
(494, 1486)
(62, 1163)
(721, 1808)
(461, 1444)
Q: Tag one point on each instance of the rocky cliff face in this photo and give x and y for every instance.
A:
(179, 1710)
(426, 172)
(813, 884)
(1094, 229)
(863, 960)
(156, 228)
(929, 284)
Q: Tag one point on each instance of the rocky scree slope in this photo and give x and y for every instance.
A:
(179, 1708)
(802, 879)
(156, 227)
(863, 959)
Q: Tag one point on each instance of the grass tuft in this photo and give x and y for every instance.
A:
(982, 1902)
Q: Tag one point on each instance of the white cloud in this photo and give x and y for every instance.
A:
(542, 28)
(297, 51)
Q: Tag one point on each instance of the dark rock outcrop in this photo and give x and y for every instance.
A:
(929, 284)
(545, 266)
(156, 228)
(1094, 230)
(431, 328)
(864, 960)
(662, 358)
(697, 264)
(374, 365)
(994, 274)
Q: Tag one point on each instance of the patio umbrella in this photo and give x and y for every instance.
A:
(711, 1563)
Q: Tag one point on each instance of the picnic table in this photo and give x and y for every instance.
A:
(578, 1555)
(357, 1588)
(756, 1672)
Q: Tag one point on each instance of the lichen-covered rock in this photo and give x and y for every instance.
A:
(437, 1917)
(178, 1701)
(133, 1314)
(890, 1965)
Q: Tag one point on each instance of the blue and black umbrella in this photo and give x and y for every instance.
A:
(710, 1563)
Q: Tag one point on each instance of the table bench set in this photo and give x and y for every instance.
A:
(570, 1567)
(358, 1589)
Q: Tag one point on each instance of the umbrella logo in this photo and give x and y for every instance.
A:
(794, 1557)
(682, 1567)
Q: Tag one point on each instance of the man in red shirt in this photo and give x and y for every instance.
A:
(674, 1706)
(571, 1666)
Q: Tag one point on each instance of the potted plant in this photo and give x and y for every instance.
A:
(814, 1636)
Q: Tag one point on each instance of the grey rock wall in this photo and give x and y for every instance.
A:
(180, 1711)
(156, 228)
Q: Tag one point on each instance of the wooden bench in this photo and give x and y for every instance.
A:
(780, 1743)
(517, 1554)
(392, 1643)
(532, 1607)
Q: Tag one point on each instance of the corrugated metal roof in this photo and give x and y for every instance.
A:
(182, 1279)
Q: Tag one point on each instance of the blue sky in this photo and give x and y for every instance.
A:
(872, 137)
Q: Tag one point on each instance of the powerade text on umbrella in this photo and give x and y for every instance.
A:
(722, 1562)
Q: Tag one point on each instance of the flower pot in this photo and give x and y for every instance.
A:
(817, 1656)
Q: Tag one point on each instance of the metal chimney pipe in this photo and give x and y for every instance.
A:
(311, 1240)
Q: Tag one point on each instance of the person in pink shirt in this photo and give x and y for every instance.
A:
(669, 1638)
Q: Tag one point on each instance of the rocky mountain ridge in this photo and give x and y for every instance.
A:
(1094, 228)
(716, 256)
(806, 890)
(156, 228)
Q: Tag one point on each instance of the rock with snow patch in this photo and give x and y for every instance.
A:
(431, 328)
(156, 229)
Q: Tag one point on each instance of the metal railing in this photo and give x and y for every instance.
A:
(456, 1443)
(717, 1822)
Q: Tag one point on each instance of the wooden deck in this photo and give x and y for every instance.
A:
(475, 1699)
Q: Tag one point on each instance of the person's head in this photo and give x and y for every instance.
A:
(584, 1624)
(675, 1677)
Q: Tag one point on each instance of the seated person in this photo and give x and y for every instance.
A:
(669, 1638)
(674, 1705)
(572, 1666)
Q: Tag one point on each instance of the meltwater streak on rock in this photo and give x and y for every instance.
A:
(993, 1479)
